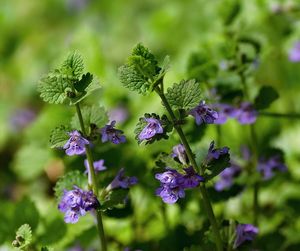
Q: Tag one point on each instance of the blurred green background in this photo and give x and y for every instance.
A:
(37, 35)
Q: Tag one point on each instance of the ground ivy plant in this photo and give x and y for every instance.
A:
(80, 193)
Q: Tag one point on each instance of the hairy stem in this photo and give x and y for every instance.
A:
(205, 197)
(93, 186)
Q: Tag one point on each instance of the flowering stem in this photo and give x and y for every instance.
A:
(93, 186)
(205, 197)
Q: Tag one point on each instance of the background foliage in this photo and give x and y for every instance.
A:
(197, 35)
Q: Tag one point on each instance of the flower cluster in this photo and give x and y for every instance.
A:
(109, 133)
(152, 128)
(244, 113)
(75, 203)
(204, 114)
(76, 144)
(122, 181)
(267, 166)
(174, 183)
(244, 232)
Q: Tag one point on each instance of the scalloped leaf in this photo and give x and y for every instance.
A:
(141, 70)
(185, 95)
(68, 181)
(53, 88)
(23, 237)
(73, 66)
(59, 136)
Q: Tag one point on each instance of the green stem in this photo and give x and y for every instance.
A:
(205, 197)
(256, 184)
(280, 115)
(92, 182)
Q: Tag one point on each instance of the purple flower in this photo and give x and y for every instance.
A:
(215, 153)
(22, 118)
(191, 179)
(76, 203)
(98, 166)
(109, 133)
(179, 152)
(122, 181)
(204, 114)
(244, 232)
(76, 144)
(173, 184)
(294, 54)
(170, 194)
(246, 114)
(226, 177)
(151, 129)
(119, 114)
(225, 111)
(268, 166)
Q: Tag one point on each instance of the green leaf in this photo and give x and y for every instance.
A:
(165, 160)
(30, 161)
(267, 95)
(165, 123)
(59, 136)
(73, 66)
(185, 95)
(54, 231)
(23, 237)
(91, 115)
(26, 213)
(91, 88)
(114, 198)
(54, 88)
(85, 81)
(216, 166)
(68, 181)
(140, 71)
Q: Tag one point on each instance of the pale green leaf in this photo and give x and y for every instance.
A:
(185, 95)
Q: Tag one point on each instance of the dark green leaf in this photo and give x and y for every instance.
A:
(26, 213)
(54, 231)
(216, 166)
(267, 95)
(185, 95)
(81, 85)
(115, 197)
